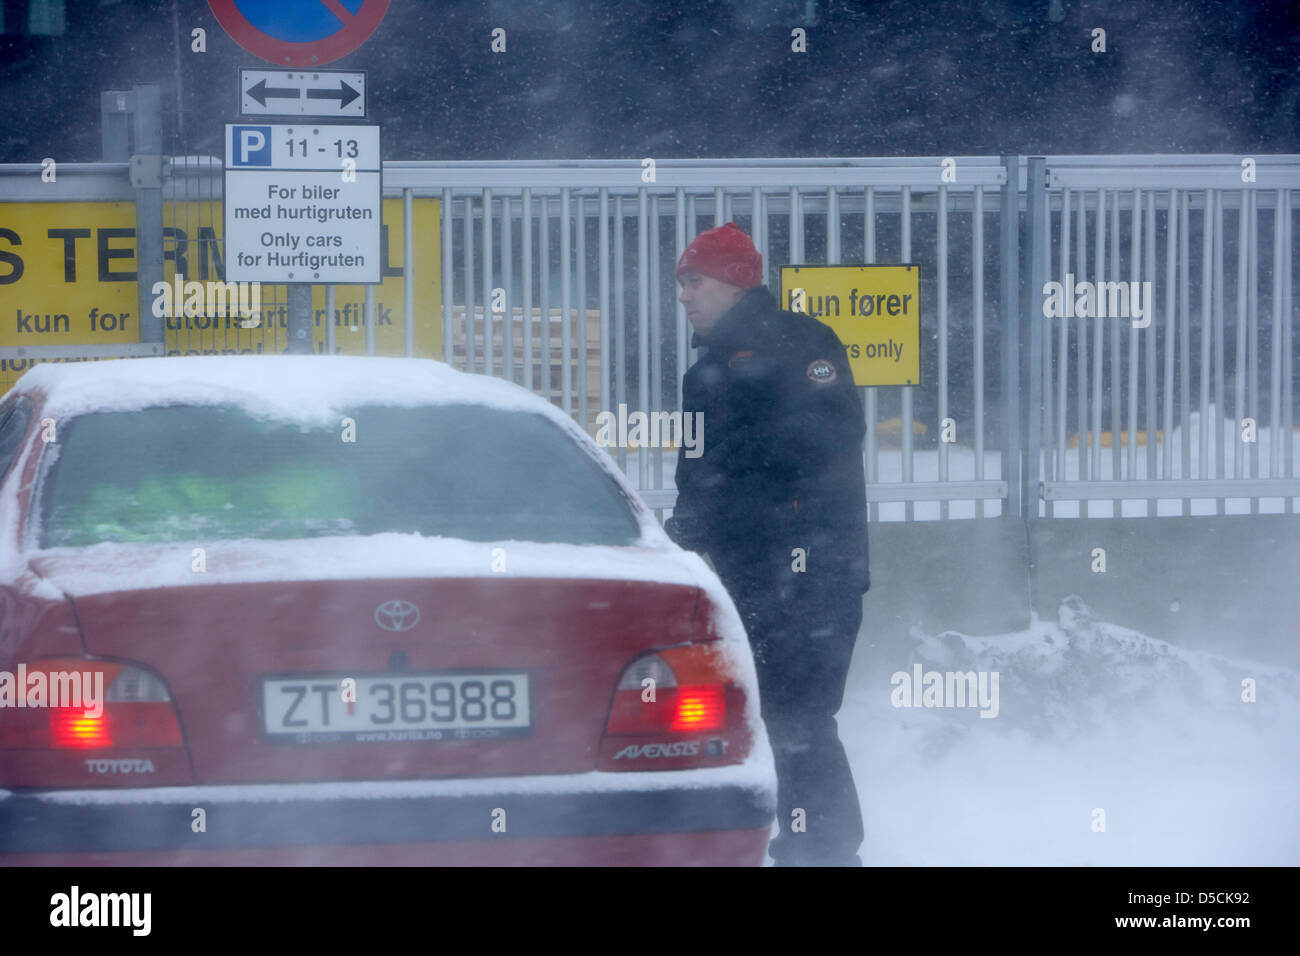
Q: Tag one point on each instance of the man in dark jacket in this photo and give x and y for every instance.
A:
(777, 500)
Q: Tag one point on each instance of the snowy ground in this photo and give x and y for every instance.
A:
(1091, 716)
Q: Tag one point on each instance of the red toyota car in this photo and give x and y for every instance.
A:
(335, 610)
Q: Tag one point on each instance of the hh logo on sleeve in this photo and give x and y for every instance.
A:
(821, 371)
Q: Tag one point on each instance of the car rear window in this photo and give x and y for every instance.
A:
(184, 473)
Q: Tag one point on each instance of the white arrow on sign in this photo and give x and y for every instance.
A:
(331, 93)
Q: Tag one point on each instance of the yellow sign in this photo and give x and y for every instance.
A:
(875, 310)
(68, 277)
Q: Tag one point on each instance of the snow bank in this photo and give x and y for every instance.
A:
(1091, 717)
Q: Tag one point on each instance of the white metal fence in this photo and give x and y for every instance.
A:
(559, 276)
(1218, 350)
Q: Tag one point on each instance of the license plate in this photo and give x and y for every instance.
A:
(401, 707)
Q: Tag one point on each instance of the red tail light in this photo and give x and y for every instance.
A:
(674, 708)
(678, 690)
(79, 704)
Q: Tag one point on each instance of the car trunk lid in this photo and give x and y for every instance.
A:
(262, 649)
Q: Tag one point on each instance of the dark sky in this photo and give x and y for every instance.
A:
(691, 78)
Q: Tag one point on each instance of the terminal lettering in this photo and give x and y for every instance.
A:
(106, 249)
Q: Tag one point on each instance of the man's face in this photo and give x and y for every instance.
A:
(706, 299)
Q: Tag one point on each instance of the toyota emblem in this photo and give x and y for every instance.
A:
(397, 615)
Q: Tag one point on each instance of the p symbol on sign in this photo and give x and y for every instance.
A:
(252, 145)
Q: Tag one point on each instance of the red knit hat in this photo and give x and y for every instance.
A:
(726, 254)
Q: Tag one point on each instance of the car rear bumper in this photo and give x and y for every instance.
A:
(715, 816)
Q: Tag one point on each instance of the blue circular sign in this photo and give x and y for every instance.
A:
(299, 32)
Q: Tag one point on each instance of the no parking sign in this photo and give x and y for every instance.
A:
(299, 32)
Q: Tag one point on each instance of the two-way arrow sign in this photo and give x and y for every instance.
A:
(335, 93)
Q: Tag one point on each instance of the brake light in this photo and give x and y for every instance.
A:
(699, 708)
(72, 727)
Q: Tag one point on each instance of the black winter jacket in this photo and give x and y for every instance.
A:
(781, 466)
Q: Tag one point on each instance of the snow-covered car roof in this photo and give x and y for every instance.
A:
(307, 388)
